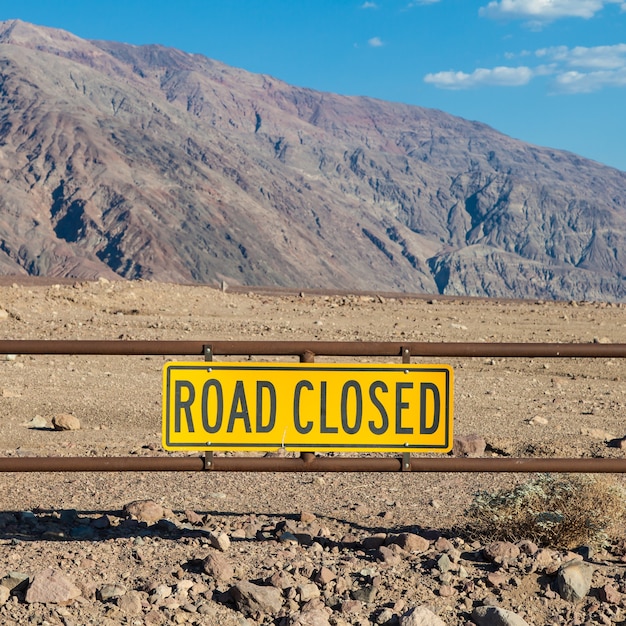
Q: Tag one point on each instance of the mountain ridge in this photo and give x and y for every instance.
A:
(149, 162)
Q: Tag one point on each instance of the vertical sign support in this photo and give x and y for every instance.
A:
(208, 455)
(406, 456)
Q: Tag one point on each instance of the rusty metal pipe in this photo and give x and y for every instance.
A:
(308, 464)
(314, 348)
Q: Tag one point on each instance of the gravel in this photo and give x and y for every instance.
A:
(308, 549)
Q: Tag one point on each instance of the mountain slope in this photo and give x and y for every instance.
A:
(147, 162)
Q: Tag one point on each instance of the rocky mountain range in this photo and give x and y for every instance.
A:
(148, 162)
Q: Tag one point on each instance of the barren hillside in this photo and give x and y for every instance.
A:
(147, 162)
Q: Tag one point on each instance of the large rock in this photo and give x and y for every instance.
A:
(574, 580)
(50, 586)
(65, 421)
(251, 598)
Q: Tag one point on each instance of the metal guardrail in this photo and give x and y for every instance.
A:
(307, 351)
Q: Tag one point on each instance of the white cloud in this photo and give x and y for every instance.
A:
(369, 5)
(375, 42)
(497, 76)
(587, 82)
(574, 70)
(598, 57)
(545, 10)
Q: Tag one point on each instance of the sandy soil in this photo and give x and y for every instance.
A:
(580, 403)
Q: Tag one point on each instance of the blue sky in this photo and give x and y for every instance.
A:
(549, 72)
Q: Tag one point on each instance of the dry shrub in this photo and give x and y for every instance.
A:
(559, 511)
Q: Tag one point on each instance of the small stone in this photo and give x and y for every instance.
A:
(217, 566)
(306, 517)
(496, 616)
(37, 422)
(366, 594)
(610, 594)
(314, 617)
(574, 580)
(410, 542)
(501, 551)
(109, 592)
(65, 421)
(496, 579)
(421, 616)
(384, 616)
(444, 564)
(469, 445)
(308, 591)
(220, 541)
(351, 606)
(282, 580)
(15, 581)
(447, 591)
(324, 576)
(194, 518)
(50, 586)
(388, 556)
(130, 603)
(147, 511)
(373, 542)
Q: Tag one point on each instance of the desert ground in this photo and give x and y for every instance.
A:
(313, 536)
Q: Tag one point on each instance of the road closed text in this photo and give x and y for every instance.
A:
(319, 407)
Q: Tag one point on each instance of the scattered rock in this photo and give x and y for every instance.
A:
(110, 592)
(50, 586)
(251, 598)
(315, 617)
(15, 581)
(220, 541)
(469, 445)
(308, 591)
(501, 551)
(147, 511)
(496, 616)
(37, 422)
(574, 580)
(324, 576)
(130, 603)
(217, 566)
(65, 421)
(410, 542)
(421, 616)
(4, 595)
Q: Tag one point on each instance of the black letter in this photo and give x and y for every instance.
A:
(402, 405)
(323, 427)
(260, 428)
(379, 430)
(429, 430)
(351, 430)
(179, 405)
(303, 430)
(205, 406)
(239, 397)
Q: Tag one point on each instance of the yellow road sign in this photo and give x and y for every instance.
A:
(307, 406)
